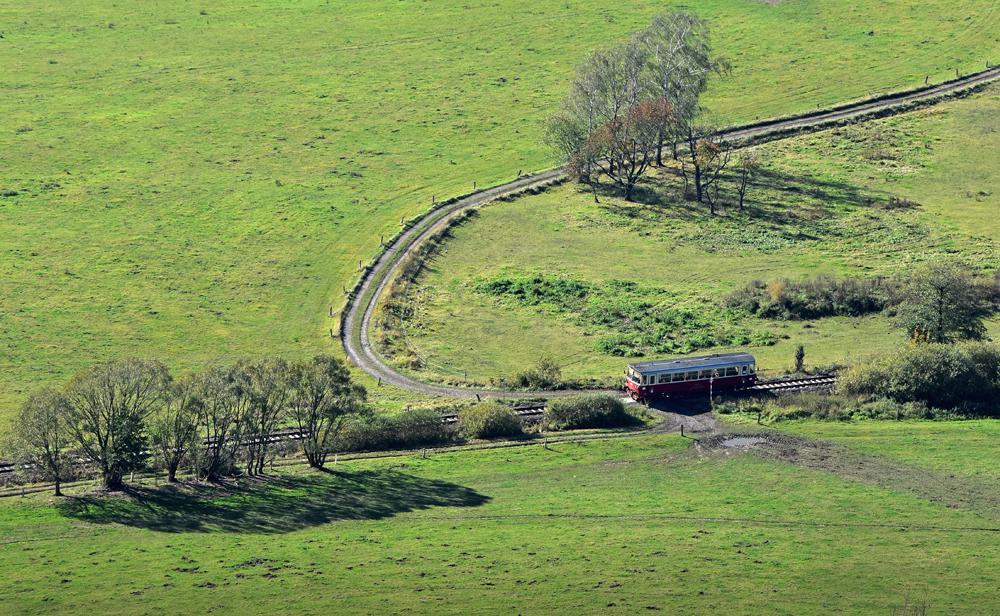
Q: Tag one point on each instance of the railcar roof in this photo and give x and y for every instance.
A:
(687, 363)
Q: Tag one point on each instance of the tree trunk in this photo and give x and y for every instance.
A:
(113, 481)
(659, 150)
(628, 190)
(58, 490)
(697, 183)
(172, 473)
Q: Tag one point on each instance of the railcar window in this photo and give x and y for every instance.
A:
(750, 369)
(705, 374)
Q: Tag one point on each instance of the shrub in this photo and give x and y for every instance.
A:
(406, 430)
(489, 420)
(589, 411)
(545, 375)
(944, 376)
(823, 296)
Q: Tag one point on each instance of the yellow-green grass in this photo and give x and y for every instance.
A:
(820, 210)
(619, 526)
(200, 182)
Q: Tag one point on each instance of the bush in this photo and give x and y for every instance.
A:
(590, 411)
(406, 430)
(823, 296)
(545, 375)
(489, 420)
(965, 377)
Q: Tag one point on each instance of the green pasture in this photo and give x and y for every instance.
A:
(819, 207)
(617, 526)
(198, 182)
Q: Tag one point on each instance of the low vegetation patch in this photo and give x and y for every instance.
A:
(811, 405)
(636, 320)
(590, 411)
(489, 420)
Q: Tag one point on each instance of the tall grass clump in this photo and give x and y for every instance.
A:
(489, 420)
(588, 411)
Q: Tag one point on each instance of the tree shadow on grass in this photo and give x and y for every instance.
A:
(775, 198)
(276, 504)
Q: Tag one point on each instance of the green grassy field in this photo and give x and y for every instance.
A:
(619, 526)
(819, 208)
(201, 182)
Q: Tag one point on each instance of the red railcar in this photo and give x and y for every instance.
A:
(689, 375)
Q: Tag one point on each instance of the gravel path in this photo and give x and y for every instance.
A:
(358, 313)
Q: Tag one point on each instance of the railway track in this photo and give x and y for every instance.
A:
(358, 313)
(781, 385)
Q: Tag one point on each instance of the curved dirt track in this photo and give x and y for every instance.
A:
(358, 312)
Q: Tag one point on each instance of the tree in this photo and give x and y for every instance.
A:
(267, 391)
(108, 406)
(709, 157)
(679, 64)
(225, 402)
(626, 146)
(322, 398)
(942, 303)
(747, 164)
(173, 424)
(41, 434)
(626, 101)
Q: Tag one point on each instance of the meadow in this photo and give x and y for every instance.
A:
(648, 523)
(198, 183)
(491, 302)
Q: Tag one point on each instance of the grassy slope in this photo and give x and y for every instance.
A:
(810, 217)
(198, 183)
(577, 528)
